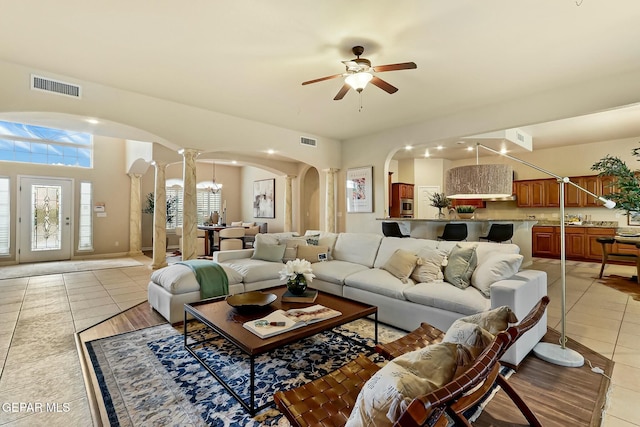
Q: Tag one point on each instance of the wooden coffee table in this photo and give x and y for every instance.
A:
(227, 322)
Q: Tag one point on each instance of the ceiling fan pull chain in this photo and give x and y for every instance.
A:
(360, 96)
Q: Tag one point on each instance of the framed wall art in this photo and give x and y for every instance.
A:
(264, 198)
(360, 189)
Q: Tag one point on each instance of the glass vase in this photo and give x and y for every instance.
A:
(440, 214)
(297, 285)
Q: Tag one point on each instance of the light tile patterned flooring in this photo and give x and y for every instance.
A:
(39, 314)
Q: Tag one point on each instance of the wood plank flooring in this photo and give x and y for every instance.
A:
(558, 396)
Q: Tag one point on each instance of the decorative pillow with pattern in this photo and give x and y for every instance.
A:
(313, 253)
(389, 391)
(429, 267)
(494, 321)
(461, 262)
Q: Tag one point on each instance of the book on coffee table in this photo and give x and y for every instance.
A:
(281, 321)
(309, 295)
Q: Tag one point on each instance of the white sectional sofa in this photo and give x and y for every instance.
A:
(355, 270)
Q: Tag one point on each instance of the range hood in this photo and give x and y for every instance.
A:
(501, 199)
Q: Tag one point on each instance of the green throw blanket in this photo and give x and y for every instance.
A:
(211, 277)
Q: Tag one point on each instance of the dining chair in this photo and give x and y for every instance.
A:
(231, 238)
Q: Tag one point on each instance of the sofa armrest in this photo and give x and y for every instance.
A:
(521, 292)
(221, 256)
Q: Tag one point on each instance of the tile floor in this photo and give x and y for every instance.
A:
(39, 314)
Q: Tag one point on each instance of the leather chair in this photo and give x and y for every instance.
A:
(392, 229)
(499, 233)
(231, 238)
(454, 232)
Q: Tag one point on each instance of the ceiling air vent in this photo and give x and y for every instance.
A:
(308, 141)
(55, 86)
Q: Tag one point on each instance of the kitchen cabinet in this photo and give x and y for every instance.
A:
(530, 193)
(580, 242)
(476, 203)
(575, 242)
(546, 242)
(401, 200)
(594, 248)
(545, 193)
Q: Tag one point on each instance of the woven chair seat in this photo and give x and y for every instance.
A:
(326, 401)
(419, 338)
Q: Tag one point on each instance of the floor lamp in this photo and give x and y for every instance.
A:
(553, 353)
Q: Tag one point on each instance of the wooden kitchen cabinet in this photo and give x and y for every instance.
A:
(545, 193)
(530, 193)
(575, 242)
(545, 240)
(551, 193)
(580, 242)
(574, 197)
(400, 192)
(594, 248)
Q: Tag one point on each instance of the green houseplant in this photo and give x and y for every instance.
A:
(171, 204)
(465, 211)
(625, 190)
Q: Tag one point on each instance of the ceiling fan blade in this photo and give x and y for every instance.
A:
(394, 67)
(321, 79)
(343, 91)
(383, 85)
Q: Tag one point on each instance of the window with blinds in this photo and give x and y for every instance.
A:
(85, 226)
(206, 203)
(5, 217)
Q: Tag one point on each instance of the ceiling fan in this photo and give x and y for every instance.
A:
(360, 72)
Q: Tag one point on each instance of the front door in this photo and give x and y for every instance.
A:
(45, 219)
(425, 210)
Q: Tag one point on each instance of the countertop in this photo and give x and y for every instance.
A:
(591, 224)
(460, 219)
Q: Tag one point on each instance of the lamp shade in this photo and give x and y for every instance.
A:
(479, 182)
(358, 81)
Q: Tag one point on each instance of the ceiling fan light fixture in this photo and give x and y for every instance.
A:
(358, 81)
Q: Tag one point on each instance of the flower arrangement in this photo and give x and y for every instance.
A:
(292, 269)
(439, 200)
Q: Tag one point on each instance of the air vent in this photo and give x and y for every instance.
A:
(308, 141)
(55, 86)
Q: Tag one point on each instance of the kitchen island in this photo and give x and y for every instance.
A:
(432, 228)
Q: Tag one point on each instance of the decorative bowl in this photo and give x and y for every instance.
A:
(250, 300)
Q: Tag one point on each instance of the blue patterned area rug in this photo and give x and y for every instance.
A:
(147, 377)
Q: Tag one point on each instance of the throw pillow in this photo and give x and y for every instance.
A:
(292, 244)
(401, 264)
(313, 253)
(236, 223)
(469, 334)
(266, 252)
(493, 321)
(313, 239)
(460, 265)
(496, 267)
(389, 391)
(429, 268)
(248, 224)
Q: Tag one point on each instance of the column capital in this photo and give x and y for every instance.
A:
(189, 153)
(331, 170)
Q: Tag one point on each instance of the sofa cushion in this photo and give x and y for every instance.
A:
(429, 269)
(265, 252)
(313, 253)
(359, 248)
(460, 265)
(378, 281)
(248, 224)
(391, 244)
(388, 391)
(254, 270)
(179, 278)
(487, 249)
(498, 266)
(336, 271)
(236, 223)
(446, 297)
(401, 264)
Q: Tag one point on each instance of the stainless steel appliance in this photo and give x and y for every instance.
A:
(406, 208)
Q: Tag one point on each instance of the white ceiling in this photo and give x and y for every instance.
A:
(249, 58)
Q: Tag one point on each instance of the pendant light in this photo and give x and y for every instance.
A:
(215, 187)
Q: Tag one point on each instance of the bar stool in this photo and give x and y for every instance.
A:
(454, 232)
(392, 229)
(499, 233)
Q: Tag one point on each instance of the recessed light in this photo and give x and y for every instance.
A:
(439, 147)
(234, 162)
(92, 121)
(270, 151)
(426, 153)
(503, 150)
(469, 148)
(408, 147)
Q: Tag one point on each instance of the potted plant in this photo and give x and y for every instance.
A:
(440, 201)
(298, 274)
(625, 190)
(465, 211)
(171, 203)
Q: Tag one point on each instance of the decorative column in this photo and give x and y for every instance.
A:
(330, 212)
(288, 210)
(135, 216)
(189, 205)
(160, 218)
